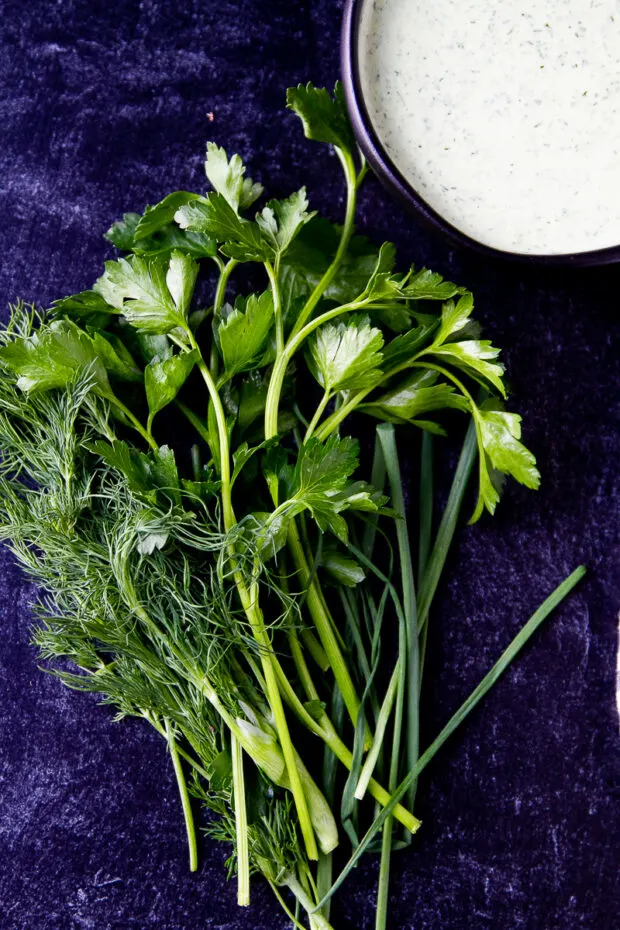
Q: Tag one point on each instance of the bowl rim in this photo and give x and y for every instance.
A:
(397, 184)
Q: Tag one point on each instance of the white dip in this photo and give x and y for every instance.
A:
(504, 115)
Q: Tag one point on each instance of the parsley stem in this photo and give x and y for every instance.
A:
(146, 435)
(185, 801)
(218, 301)
(347, 231)
(323, 624)
(334, 421)
(249, 602)
(241, 824)
(318, 413)
(325, 730)
(277, 307)
(279, 369)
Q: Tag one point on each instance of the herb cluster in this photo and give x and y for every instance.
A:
(242, 592)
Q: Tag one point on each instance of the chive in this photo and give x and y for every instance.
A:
(468, 705)
(445, 534)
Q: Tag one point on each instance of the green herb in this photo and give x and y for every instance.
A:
(179, 481)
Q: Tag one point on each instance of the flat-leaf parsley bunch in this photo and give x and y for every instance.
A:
(178, 476)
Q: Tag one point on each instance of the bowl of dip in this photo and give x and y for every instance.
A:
(497, 123)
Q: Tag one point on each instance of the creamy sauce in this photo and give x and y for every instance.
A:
(504, 115)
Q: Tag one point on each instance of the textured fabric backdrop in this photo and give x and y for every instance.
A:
(105, 107)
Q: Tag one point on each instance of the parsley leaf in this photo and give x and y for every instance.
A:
(476, 358)
(499, 435)
(243, 332)
(281, 220)
(116, 357)
(319, 483)
(346, 356)
(419, 393)
(241, 238)
(88, 306)
(324, 117)
(138, 287)
(122, 232)
(163, 379)
(428, 285)
(146, 473)
(52, 357)
(227, 178)
(181, 280)
(162, 214)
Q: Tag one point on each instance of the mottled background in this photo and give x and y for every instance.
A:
(105, 107)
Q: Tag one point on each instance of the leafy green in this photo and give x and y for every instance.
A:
(122, 233)
(419, 393)
(53, 358)
(346, 356)
(343, 568)
(139, 288)
(227, 178)
(240, 238)
(244, 574)
(243, 332)
(162, 214)
(324, 116)
(146, 473)
(88, 307)
(319, 483)
(310, 255)
(499, 435)
(117, 359)
(282, 220)
(477, 359)
(163, 379)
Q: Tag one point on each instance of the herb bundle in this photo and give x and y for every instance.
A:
(178, 478)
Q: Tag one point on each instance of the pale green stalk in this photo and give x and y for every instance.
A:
(185, 801)
(380, 728)
(241, 824)
(249, 602)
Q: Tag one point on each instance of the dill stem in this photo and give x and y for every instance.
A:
(317, 920)
(185, 801)
(285, 906)
(241, 824)
(184, 755)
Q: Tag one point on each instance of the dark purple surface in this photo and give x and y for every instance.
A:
(104, 107)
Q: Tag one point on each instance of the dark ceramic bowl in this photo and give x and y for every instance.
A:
(391, 177)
